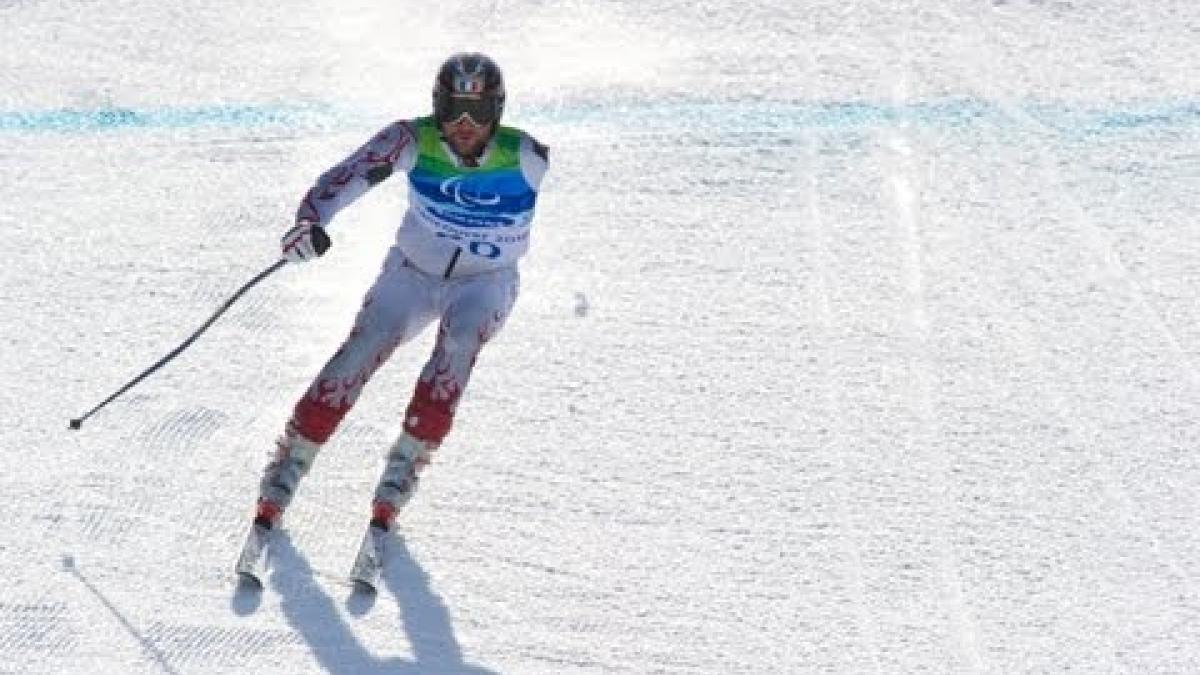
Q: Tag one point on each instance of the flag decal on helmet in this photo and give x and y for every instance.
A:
(468, 85)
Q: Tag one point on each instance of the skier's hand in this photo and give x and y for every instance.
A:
(304, 242)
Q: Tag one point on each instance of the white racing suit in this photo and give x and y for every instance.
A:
(454, 262)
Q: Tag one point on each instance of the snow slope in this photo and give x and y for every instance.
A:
(855, 338)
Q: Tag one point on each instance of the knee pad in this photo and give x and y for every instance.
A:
(315, 420)
(428, 420)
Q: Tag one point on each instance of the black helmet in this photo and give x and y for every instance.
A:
(468, 84)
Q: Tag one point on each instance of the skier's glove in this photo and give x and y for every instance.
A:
(304, 242)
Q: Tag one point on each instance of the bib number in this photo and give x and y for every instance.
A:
(483, 249)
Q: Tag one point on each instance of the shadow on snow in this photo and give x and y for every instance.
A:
(310, 610)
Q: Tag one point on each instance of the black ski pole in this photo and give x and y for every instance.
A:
(77, 422)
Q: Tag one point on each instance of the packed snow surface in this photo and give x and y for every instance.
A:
(856, 337)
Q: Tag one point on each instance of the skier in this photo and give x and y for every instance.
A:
(472, 186)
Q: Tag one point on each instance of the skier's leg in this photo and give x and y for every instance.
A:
(396, 486)
(475, 311)
(394, 310)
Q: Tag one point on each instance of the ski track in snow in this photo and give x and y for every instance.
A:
(855, 338)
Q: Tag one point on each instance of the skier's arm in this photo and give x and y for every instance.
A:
(535, 159)
(353, 176)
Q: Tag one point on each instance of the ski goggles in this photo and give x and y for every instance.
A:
(479, 110)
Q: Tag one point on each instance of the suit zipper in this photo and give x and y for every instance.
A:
(453, 260)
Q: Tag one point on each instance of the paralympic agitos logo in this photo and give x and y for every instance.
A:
(453, 188)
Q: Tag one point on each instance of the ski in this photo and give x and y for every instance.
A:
(368, 564)
(253, 561)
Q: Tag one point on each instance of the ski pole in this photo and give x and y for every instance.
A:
(77, 422)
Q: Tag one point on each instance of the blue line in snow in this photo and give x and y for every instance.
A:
(724, 116)
(99, 119)
(949, 113)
